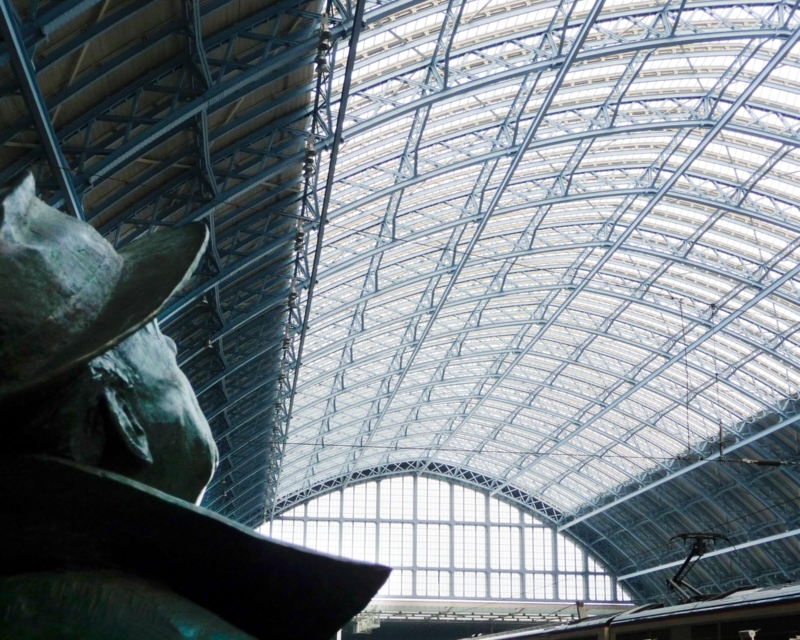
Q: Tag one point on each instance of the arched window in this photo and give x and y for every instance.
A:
(447, 541)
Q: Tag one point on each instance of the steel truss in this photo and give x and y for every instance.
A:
(603, 108)
(199, 135)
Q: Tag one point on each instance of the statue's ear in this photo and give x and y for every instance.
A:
(17, 200)
(127, 426)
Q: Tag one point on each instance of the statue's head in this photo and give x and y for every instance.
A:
(85, 373)
(87, 376)
(131, 411)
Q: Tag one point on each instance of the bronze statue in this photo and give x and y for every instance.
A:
(130, 410)
(68, 296)
(104, 450)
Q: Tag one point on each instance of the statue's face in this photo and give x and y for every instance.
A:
(156, 414)
(131, 411)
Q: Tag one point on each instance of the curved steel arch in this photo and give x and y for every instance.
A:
(459, 476)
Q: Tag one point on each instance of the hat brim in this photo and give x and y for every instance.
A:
(58, 515)
(154, 268)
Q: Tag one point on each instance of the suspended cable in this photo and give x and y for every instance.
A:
(686, 368)
(716, 385)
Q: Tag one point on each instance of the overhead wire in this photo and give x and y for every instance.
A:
(712, 528)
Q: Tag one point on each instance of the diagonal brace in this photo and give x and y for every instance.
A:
(26, 75)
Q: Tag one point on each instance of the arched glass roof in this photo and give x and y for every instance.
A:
(561, 244)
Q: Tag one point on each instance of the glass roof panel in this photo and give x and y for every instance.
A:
(534, 260)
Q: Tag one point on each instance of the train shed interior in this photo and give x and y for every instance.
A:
(502, 294)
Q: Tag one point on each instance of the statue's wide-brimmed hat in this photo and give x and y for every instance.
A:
(68, 296)
(60, 516)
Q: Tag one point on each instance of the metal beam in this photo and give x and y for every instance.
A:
(192, 296)
(514, 75)
(274, 128)
(48, 22)
(220, 93)
(355, 34)
(627, 12)
(369, 381)
(555, 141)
(765, 292)
(617, 295)
(32, 94)
(537, 194)
(271, 69)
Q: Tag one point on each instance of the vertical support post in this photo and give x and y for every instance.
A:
(487, 548)
(452, 527)
(613, 597)
(378, 523)
(34, 101)
(305, 526)
(585, 569)
(556, 568)
(523, 528)
(415, 537)
(340, 519)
